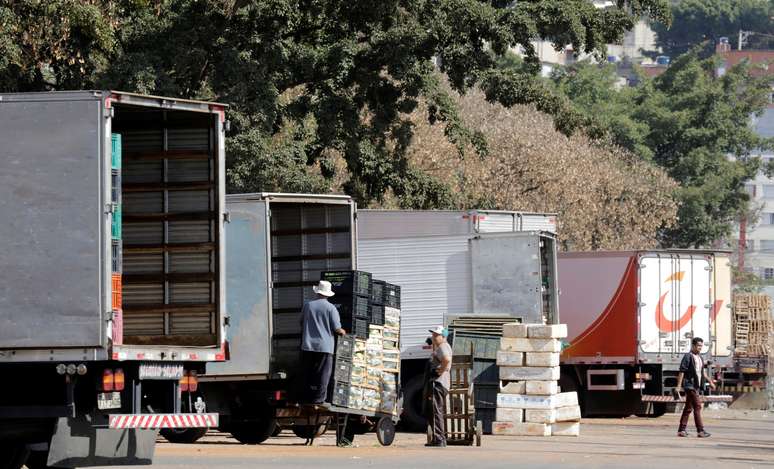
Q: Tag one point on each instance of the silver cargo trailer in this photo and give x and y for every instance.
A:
(458, 263)
(111, 286)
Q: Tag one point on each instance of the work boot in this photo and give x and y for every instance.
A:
(703, 434)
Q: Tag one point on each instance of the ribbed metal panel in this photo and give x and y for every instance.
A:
(137, 171)
(197, 231)
(286, 245)
(340, 243)
(190, 262)
(191, 293)
(189, 201)
(135, 263)
(143, 324)
(134, 141)
(285, 217)
(290, 271)
(494, 222)
(538, 222)
(190, 323)
(434, 275)
(142, 294)
(288, 297)
(287, 323)
(376, 224)
(188, 139)
(188, 170)
(143, 202)
(143, 233)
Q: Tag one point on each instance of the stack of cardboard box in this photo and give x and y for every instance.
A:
(530, 401)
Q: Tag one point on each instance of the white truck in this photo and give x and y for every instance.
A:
(111, 273)
(458, 263)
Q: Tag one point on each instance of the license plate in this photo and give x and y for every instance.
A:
(109, 400)
(161, 371)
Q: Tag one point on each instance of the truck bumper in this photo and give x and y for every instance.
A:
(159, 421)
(713, 398)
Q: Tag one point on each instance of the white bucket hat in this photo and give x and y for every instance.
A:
(437, 330)
(323, 288)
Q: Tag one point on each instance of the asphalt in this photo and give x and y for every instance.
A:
(739, 439)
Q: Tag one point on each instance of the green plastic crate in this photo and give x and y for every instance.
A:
(116, 228)
(115, 154)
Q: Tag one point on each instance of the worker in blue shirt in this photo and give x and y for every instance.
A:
(320, 321)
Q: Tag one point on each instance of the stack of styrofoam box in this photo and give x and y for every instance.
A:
(529, 402)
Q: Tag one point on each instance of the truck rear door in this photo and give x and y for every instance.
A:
(675, 302)
(54, 221)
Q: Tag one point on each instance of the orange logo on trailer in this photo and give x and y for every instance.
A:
(665, 324)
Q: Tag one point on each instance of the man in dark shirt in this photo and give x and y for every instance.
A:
(690, 376)
(319, 322)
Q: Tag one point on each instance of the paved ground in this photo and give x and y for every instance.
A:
(740, 439)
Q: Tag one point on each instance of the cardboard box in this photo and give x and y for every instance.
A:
(541, 388)
(554, 331)
(541, 358)
(568, 414)
(565, 429)
(515, 330)
(520, 429)
(530, 345)
(513, 387)
(540, 415)
(510, 358)
(522, 373)
(523, 401)
(503, 414)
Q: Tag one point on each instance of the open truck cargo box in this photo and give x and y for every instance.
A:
(277, 247)
(113, 209)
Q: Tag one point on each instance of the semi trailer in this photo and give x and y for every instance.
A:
(111, 273)
(631, 316)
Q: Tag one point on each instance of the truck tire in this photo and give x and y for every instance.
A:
(13, 456)
(307, 432)
(412, 418)
(253, 433)
(183, 435)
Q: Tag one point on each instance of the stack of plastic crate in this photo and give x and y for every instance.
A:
(115, 229)
(352, 298)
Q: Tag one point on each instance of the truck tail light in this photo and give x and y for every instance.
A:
(184, 383)
(193, 381)
(643, 376)
(279, 395)
(108, 383)
(118, 380)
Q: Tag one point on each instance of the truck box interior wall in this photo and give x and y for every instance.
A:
(169, 234)
(306, 240)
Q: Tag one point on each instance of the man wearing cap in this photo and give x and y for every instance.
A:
(441, 360)
(319, 322)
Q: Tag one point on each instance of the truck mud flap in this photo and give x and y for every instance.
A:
(77, 443)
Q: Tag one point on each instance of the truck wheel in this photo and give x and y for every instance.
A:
(183, 435)
(13, 456)
(307, 432)
(412, 417)
(253, 433)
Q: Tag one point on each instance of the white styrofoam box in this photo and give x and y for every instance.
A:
(530, 345)
(510, 358)
(542, 359)
(554, 331)
(523, 401)
(570, 413)
(515, 330)
(540, 415)
(565, 429)
(520, 429)
(523, 373)
(514, 387)
(504, 414)
(541, 388)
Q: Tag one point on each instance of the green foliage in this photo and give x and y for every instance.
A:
(697, 21)
(308, 78)
(687, 121)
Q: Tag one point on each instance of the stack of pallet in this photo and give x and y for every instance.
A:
(753, 324)
(530, 402)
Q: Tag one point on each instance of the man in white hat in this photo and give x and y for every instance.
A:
(441, 360)
(319, 322)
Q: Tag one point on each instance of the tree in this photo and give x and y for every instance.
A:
(606, 198)
(690, 122)
(333, 76)
(699, 21)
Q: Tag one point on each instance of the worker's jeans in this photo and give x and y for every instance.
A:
(437, 420)
(318, 367)
(692, 403)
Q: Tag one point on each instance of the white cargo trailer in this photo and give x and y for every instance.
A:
(458, 263)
